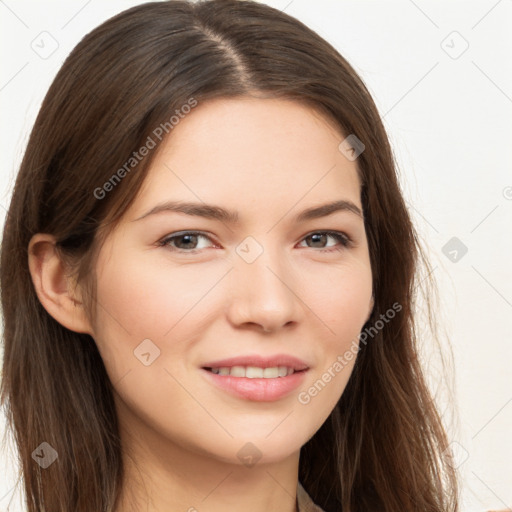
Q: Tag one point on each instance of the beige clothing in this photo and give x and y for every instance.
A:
(304, 501)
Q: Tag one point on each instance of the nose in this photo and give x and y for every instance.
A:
(262, 294)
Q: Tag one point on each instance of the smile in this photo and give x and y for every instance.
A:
(253, 372)
(254, 383)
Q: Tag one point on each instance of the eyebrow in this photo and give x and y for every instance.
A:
(214, 212)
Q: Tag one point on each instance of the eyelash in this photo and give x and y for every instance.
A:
(344, 239)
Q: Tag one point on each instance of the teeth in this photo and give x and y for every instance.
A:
(254, 372)
(269, 373)
(237, 371)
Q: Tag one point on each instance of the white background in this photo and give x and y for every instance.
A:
(448, 114)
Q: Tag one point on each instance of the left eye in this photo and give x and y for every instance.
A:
(322, 236)
(187, 241)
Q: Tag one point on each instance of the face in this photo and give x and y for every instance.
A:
(191, 301)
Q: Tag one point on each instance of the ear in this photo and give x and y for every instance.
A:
(53, 286)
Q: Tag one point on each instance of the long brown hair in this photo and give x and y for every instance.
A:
(382, 447)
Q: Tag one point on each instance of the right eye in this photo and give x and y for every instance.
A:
(185, 241)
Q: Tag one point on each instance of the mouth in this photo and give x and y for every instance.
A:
(255, 378)
(254, 372)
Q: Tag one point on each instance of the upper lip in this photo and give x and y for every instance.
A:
(259, 361)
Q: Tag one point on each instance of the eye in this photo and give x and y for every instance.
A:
(321, 237)
(187, 241)
(184, 241)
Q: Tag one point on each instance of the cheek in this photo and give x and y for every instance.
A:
(343, 305)
(340, 296)
(138, 302)
(147, 299)
(157, 302)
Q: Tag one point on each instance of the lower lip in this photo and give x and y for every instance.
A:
(257, 390)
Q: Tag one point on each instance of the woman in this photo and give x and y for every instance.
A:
(208, 277)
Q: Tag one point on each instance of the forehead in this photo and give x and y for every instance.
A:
(251, 152)
(243, 127)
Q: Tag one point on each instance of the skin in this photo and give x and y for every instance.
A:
(269, 160)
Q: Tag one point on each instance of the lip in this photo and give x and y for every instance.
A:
(260, 361)
(259, 389)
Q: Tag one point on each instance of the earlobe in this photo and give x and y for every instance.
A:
(53, 286)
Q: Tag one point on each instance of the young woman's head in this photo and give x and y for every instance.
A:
(208, 188)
